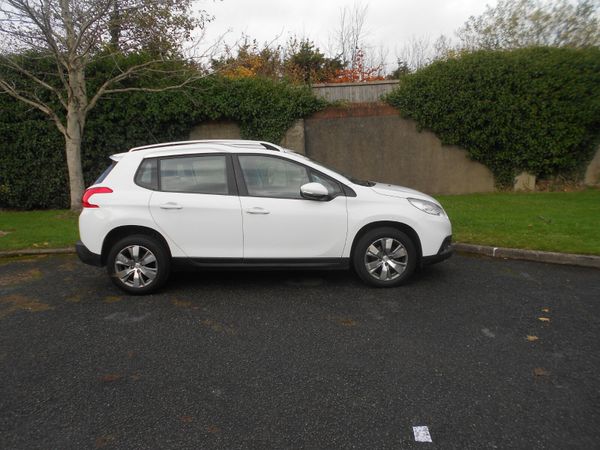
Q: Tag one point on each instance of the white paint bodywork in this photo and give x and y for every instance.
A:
(228, 226)
(294, 228)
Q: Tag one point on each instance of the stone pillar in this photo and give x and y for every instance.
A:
(524, 182)
(592, 174)
(294, 137)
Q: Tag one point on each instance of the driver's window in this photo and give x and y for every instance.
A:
(267, 176)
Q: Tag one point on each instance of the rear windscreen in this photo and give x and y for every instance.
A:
(105, 173)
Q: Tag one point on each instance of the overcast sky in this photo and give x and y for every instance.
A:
(390, 23)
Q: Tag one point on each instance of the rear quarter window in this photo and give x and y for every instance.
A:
(104, 174)
(147, 174)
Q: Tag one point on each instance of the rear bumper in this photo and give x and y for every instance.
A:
(446, 250)
(86, 256)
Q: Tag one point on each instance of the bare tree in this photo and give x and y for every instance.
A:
(350, 35)
(416, 52)
(71, 34)
(525, 23)
(443, 48)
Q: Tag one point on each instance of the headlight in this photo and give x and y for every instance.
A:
(428, 207)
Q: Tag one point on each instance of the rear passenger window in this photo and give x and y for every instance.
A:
(147, 174)
(195, 174)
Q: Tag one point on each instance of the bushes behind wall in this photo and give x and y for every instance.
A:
(535, 109)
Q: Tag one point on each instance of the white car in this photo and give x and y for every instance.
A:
(251, 204)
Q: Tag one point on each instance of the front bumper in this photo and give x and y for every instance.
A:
(86, 256)
(446, 250)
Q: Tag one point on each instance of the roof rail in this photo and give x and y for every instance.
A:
(231, 142)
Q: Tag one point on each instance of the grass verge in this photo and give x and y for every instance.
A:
(38, 229)
(567, 222)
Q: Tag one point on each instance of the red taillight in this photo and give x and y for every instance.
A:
(91, 191)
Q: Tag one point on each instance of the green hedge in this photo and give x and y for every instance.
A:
(33, 170)
(535, 109)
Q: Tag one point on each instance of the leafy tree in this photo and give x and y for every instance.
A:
(306, 64)
(360, 72)
(69, 35)
(157, 26)
(248, 59)
(299, 61)
(527, 23)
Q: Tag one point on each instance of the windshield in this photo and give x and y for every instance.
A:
(350, 178)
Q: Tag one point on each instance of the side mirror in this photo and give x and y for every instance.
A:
(314, 191)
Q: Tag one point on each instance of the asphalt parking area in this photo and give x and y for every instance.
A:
(484, 353)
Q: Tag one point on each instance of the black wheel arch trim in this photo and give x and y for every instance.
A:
(406, 229)
(119, 233)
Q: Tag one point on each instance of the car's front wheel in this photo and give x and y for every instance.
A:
(138, 264)
(384, 257)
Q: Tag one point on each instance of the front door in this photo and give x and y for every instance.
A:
(278, 222)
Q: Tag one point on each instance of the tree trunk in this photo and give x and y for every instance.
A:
(75, 125)
(76, 115)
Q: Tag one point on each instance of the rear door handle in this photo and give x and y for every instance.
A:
(257, 210)
(170, 205)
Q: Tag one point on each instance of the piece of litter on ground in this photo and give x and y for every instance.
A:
(422, 434)
(488, 333)
(531, 338)
(544, 319)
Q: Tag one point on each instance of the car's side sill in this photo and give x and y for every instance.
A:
(263, 263)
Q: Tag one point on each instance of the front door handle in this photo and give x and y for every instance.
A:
(257, 210)
(170, 205)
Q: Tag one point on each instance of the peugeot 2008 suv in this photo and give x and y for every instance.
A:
(251, 204)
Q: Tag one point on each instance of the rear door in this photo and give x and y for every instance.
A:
(197, 206)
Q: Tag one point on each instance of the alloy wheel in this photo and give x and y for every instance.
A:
(386, 259)
(136, 266)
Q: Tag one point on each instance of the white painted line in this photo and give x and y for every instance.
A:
(422, 434)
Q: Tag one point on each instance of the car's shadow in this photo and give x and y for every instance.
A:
(301, 278)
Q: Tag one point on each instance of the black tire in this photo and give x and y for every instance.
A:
(389, 266)
(143, 264)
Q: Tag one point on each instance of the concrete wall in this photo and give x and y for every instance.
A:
(373, 142)
(215, 130)
(354, 92)
(293, 139)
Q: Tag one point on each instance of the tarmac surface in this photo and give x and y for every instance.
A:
(485, 353)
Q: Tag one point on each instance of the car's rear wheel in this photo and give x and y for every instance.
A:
(385, 257)
(138, 264)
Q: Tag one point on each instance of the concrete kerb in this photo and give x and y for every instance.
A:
(36, 252)
(530, 255)
(492, 252)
